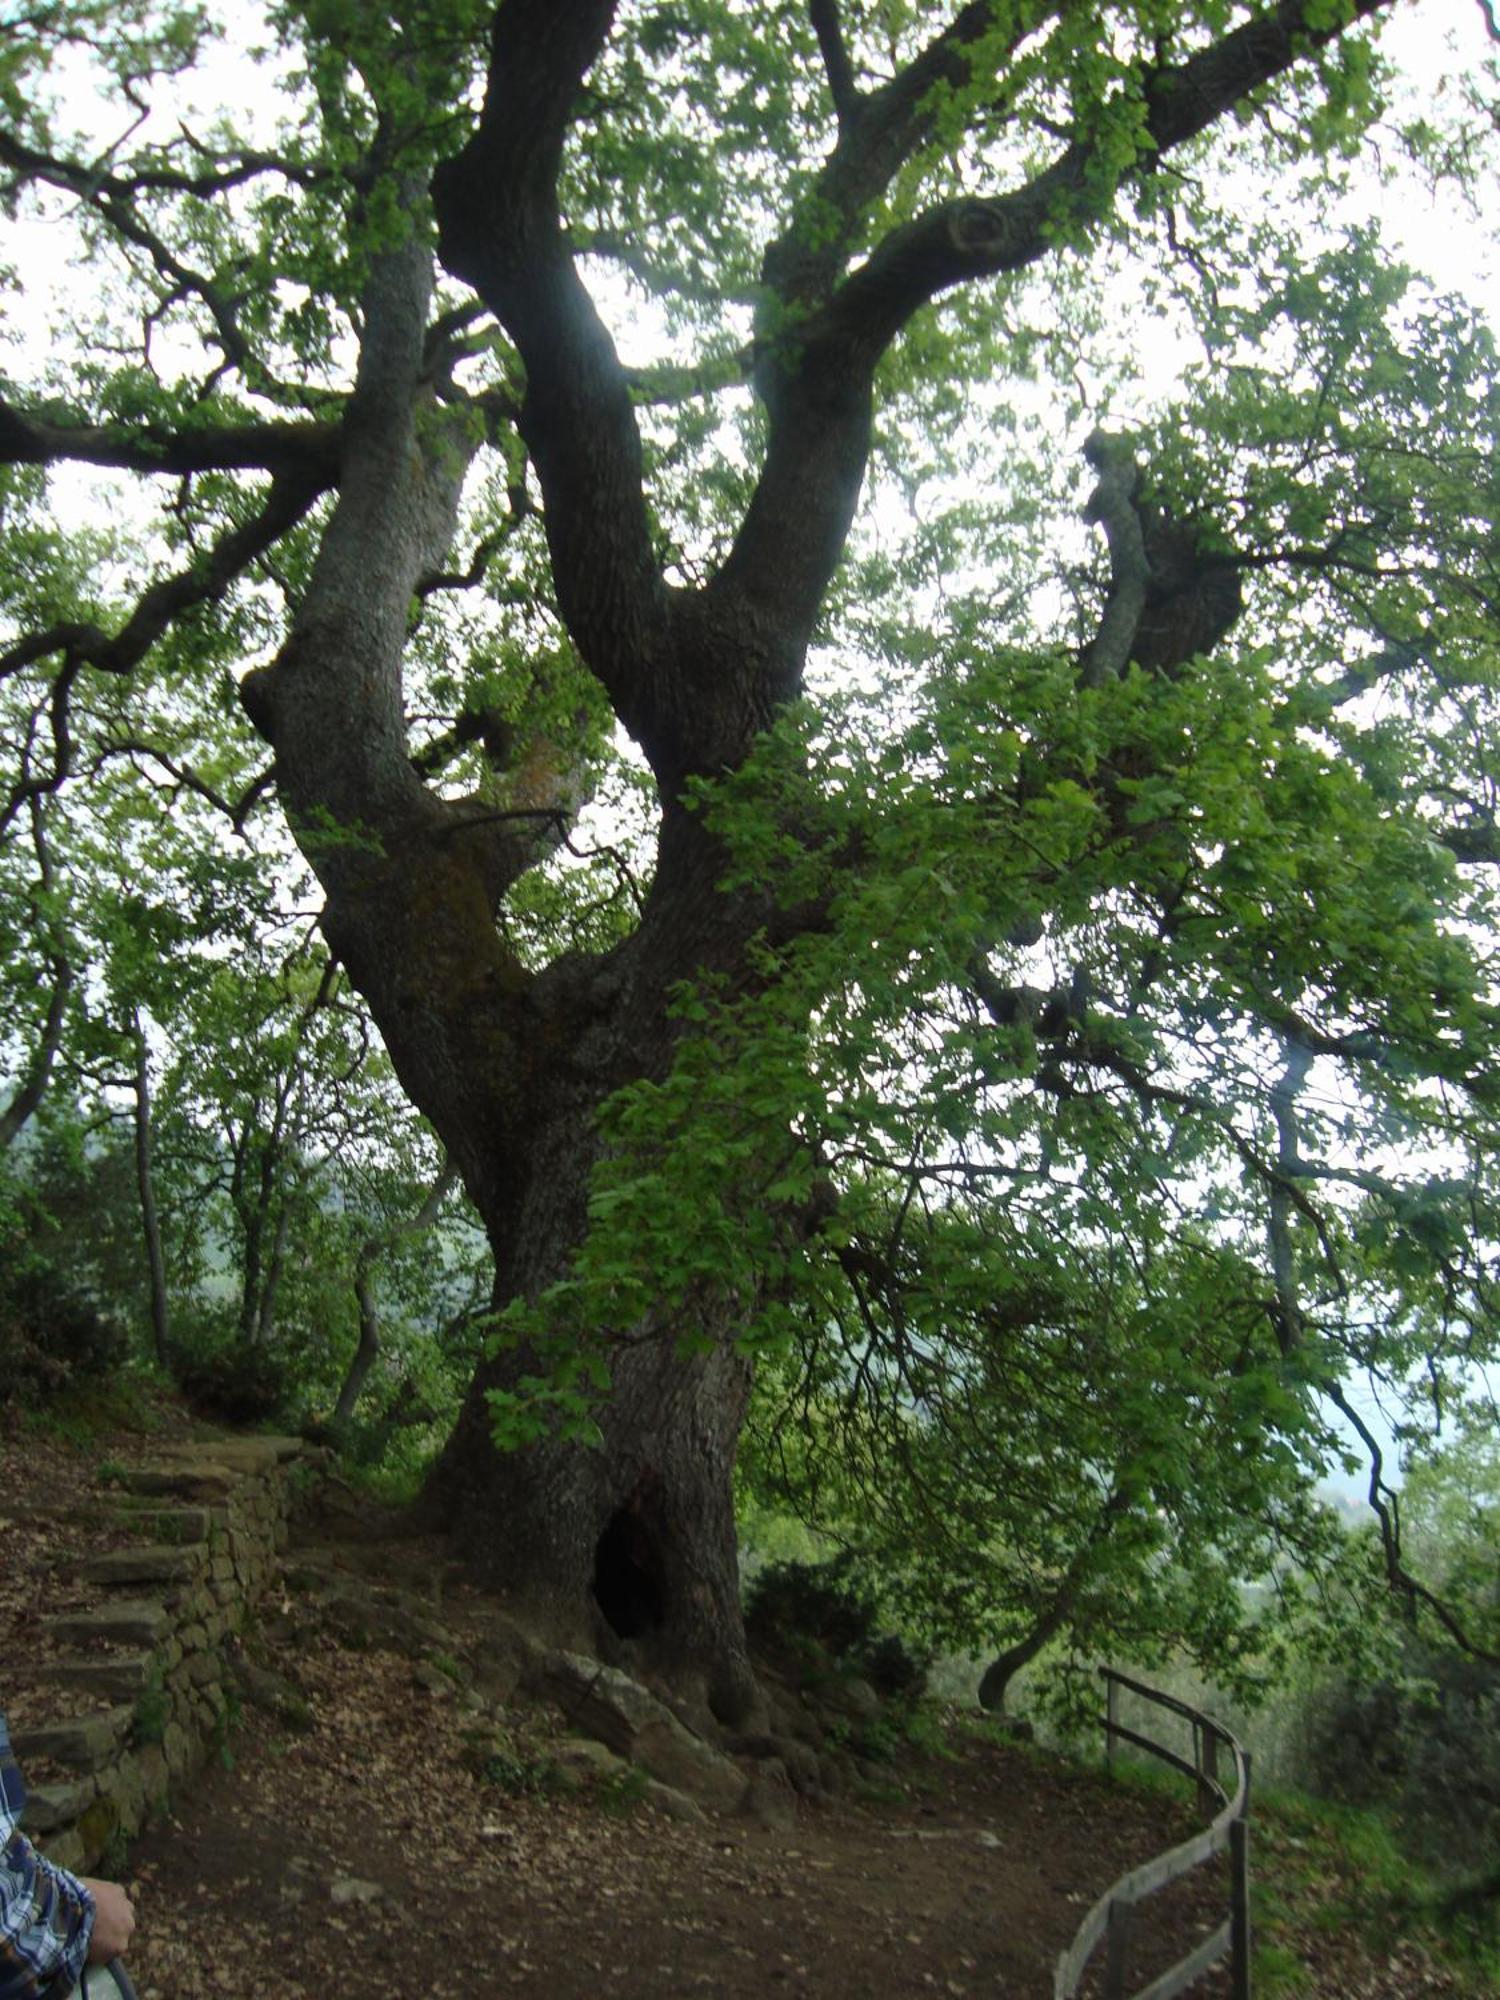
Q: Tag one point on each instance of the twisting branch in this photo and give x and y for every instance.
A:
(185, 778)
(371, 1251)
(1113, 506)
(1385, 1505)
(817, 369)
(962, 240)
(203, 582)
(29, 164)
(892, 124)
(25, 793)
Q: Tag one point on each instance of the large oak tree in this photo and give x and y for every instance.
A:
(962, 1055)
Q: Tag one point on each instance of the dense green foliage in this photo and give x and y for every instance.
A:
(1113, 1082)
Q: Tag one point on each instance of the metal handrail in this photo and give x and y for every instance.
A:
(1112, 1916)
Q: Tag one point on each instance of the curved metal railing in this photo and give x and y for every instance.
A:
(1112, 1917)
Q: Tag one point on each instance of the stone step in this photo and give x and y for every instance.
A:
(139, 1621)
(169, 1526)
(154, 1564)
(84, 1743)
(49, 1807)
(196, 1479)
(241, 1454)
(123, 1677)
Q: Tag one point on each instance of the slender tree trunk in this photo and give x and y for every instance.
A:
(1003, 1669)
(370, 1253)
(366, 1353)
(145, 1177)
(265, 1310)
(33, 1085)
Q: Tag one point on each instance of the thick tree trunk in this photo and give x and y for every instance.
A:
(630, 1543)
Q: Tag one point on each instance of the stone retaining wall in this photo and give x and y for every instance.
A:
(154, 1651)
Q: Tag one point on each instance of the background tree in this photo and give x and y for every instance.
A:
(1129, 958)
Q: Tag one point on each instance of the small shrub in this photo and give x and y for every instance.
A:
(621, 1791)
(792, 1606)
(790, 1602)
(51, 1334)
(238, 1384)
(894, 1671)
(506, 1766)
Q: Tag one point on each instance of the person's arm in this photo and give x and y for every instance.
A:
(114, 1920)
(46, 1914)
(46, 1924)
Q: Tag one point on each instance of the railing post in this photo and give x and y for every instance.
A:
(1117, 1939)
(1111, 1717)
(1211, 1759)
(1239, 1896)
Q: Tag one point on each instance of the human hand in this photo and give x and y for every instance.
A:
(114, 1920)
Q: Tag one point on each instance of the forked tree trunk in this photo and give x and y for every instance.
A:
(637, 1534)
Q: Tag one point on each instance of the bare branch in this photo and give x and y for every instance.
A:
(1113, 506)
(28, 438)
(830, 33)
(203, 582)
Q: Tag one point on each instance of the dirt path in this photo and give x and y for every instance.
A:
(390, 1826)
(362, 1854)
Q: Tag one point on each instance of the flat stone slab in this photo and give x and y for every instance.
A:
(147, 1565)
(171, 1527)
(196, 1480)
(239, 1455)
(122, 1677)
(50, 1806)
(84, 1743)
(137, 1622)
(608, 1705)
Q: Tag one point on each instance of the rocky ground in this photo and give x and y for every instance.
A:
(389, 1816)
(398, 1829)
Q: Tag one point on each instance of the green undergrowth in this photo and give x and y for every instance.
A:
(81, 1415)
(1328, 1877)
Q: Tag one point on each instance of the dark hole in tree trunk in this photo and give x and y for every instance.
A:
(627, 1575)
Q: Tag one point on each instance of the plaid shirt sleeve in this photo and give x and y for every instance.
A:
(46, 1915)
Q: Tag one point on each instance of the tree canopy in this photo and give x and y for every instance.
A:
(877, 621)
